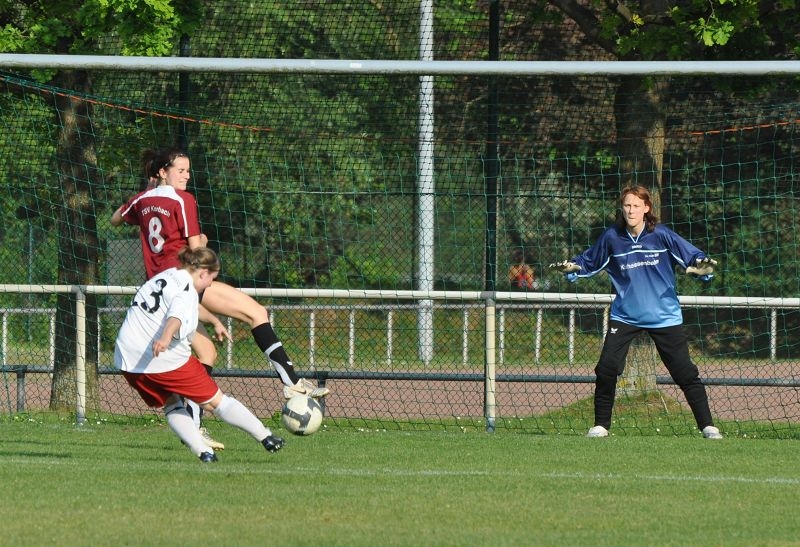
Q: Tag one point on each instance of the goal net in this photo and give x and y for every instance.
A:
(398, 264)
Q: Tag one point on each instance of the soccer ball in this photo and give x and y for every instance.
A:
(301, 415)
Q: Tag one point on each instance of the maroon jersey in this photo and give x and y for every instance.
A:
(167, 218)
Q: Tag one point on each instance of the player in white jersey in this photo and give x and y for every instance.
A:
(168, 221)
(153, 351)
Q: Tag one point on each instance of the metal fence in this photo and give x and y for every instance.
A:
(488, 309)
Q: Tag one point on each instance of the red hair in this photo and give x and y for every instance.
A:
(650, 219)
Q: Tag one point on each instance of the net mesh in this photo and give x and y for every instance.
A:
(311, 181)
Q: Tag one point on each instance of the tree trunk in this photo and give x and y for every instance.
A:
(641, 136)
(641, 132)
(640, 368)
(77, 240)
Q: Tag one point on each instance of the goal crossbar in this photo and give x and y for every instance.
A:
(371, 66)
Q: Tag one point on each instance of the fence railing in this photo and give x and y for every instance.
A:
(493, 306)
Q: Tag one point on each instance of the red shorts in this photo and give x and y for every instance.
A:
(190, 380)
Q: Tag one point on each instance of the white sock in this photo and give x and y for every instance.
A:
(235, 413)
(181, 423)
(194, 412)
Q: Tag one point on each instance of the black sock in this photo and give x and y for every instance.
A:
(268, 343)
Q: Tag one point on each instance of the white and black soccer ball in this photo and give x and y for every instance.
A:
(301, 415)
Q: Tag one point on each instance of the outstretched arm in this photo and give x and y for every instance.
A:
(220, 332)
(703, 268)
(569, 269)
(565, 266)
(588, 263)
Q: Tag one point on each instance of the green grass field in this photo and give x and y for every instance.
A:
(135, 484)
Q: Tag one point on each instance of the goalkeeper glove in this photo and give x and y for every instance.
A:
(702, 267)
(568, 268)
(565, 267)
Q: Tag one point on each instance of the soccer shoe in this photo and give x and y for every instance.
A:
(305, 387)
(272, 443)
(598, 431)
(711, 432)
(216, 445)
(208, 457)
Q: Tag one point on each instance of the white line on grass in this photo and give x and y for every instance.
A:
(675, 478)
(554, 475)
(359, 472)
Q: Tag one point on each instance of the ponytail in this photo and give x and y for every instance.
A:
(154, 161)
(201, 258)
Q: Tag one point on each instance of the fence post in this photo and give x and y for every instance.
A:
(80, 354)
(21, 388)
(571, 337)
(490, 403)
(312, 340)
(773, 334)
(465, 337)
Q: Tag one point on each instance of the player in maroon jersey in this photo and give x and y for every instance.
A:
(168, 220)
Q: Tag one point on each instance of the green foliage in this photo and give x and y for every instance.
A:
(29, 208)
(11, 38)
(697, 29)
(328, 168)
(143, 27)
(712, 32)
(367, 273)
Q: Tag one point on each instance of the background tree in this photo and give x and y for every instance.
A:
(77, 27)
(334, 173)
(659, 31)
(308, 180)
(656, 30)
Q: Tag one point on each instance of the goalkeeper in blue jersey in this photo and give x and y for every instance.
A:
(639, 255)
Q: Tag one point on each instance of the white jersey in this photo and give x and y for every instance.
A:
(168, 294)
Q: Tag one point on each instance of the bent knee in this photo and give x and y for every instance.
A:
(207, 356)
(204, 349)
(607, 369)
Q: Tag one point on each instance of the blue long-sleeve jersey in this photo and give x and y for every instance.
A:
(642, 270)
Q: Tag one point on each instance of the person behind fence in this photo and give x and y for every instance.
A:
(167, 218)
(520, 276)
(639, 255)
(153, 351)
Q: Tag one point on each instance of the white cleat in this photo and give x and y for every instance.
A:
(305, 387)
(216, 445)
(711, 432)
(598, 431)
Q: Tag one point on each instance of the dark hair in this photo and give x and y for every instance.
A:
(650, 219)
(201, 258)
(154, 161)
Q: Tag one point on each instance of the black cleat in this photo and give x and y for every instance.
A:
(209, 457)
(272, 443)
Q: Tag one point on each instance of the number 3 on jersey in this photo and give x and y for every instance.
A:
(154, 239)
